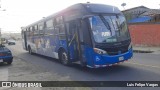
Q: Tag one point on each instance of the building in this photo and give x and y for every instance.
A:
(134, 12)
(154, 14)
(151, 16)
(142, 14)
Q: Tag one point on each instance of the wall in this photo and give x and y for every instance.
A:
(145, 34)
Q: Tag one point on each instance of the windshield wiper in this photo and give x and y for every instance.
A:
(119, 26)
(119, 29)
(106, 23)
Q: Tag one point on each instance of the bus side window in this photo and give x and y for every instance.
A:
(28, 31)
(36, 30)
(49, 24)
(41, 28)
(86, 33)
(67, 27)
(49, 28)
(62, 29)
(59, 26)
(56, 30)
(72, 27)
(36, 27)
(59, 20)
(80, 31)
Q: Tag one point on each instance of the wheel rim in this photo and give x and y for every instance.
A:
(64, 58)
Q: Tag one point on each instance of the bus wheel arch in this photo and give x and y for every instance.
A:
(63, 56)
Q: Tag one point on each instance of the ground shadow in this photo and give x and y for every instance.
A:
(97, 71)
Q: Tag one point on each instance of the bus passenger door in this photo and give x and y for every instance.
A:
(24, 40)
(73, 42)
(80, 42)
(85, 43)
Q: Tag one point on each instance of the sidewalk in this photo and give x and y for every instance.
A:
(140, 49)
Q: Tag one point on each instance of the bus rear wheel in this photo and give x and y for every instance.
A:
(30, 50)
(64, 58)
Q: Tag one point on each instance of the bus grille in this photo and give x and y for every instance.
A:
(116, 50)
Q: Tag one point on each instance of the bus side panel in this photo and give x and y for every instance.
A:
(73, 52)
(87, 54)
(63, 44)
(50, 46)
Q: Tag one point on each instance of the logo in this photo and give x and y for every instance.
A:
(97, 58)
(6, 84)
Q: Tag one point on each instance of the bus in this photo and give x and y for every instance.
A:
(93, 35)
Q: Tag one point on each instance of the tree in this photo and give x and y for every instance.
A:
(123, 5)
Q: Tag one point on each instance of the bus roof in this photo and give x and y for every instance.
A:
(84, 9)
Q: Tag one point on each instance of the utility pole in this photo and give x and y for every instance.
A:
(0, 37)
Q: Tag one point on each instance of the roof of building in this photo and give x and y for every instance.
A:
(151, 12)
(140, 19)
(135, 8)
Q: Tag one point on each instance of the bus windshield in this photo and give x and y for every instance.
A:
(109, 29)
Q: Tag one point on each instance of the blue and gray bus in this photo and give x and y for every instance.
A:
(95, 35)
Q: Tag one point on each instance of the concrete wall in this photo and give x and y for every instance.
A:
(145, 34)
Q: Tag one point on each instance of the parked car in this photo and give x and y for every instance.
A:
(5, 55)
(3, 41)
(11, 42)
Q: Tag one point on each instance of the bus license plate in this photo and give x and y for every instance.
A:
(121, 58)
(1, 60)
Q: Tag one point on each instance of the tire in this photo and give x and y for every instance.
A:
(64, 58)
(83, 64)
(10, 62)
(30, 50)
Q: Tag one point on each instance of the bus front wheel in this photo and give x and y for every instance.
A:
(64, 58)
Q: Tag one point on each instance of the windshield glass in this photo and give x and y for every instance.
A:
(108, 29)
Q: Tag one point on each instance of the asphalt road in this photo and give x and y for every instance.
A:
(142, 67)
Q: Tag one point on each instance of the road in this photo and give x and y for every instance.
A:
(142, 67)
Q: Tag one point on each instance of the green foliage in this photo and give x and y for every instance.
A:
(128, 16)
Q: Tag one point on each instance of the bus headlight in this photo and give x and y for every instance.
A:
(99, 51)
(130, 46)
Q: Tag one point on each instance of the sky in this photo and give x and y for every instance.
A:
(21, 13)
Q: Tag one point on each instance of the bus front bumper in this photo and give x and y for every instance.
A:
(106, 60)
